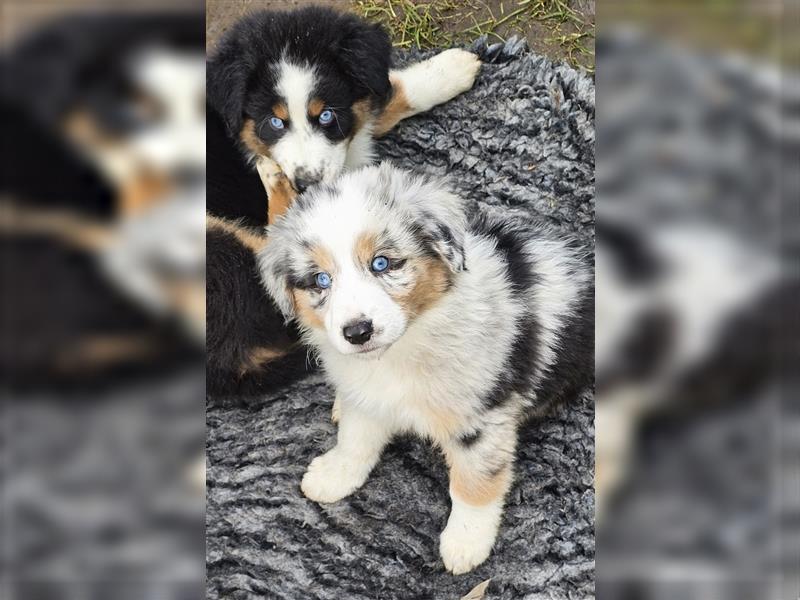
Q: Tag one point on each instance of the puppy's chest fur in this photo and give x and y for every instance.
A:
(414, 396)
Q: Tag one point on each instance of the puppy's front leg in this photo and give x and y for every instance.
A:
(280, 193)
(343, 469)
(480, 476)
(423, 85)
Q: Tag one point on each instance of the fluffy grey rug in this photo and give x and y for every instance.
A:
(522, 140)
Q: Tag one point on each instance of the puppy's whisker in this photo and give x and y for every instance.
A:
(338, 125)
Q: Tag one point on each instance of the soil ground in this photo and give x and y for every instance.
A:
(445, 22)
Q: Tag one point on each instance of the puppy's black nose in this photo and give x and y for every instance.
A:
(304, 179)
(358, 333)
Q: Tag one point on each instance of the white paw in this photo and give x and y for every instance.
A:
(440, 78)
(332, 476)
(467, 540)
(272, 176)
(454, 71)
(268, 168)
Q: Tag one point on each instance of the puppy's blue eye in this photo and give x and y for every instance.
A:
(325, 117)
(323, 280)
(380, 264)
(276, 123)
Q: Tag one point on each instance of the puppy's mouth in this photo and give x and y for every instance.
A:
(372, 354)
(370, 350)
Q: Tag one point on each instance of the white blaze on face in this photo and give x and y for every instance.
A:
(304, 149)
(356, 293)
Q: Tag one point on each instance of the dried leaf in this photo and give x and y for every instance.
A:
(478, 591)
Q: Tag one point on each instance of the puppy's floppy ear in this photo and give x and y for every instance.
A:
(364, 54)
(226, 80)
(438, 217)
(273, 263)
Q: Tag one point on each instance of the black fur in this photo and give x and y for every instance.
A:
(515, 377)
(574, 366)
(509, 237)
(72, 182)
(240, 316)
(233, 189)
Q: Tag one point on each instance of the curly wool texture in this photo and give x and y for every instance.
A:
(521, 140)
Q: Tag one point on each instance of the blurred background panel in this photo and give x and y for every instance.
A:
(698, 427)
(102, 198)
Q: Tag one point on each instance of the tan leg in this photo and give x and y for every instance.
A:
(280, 193)
(481, 474)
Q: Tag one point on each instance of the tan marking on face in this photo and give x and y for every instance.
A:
(473, 487)
(304, 309)
(323, 259)
(260, 357)
(248, 237)
(365, 248)
(433, 281)
(281, 111)
(251, 140)
(315, 107)
(362, 113)
(304, 300)
(397, 109)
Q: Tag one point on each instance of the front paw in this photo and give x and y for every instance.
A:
(457, 68)
(280, 191)
(332, 476)
(467, 541)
